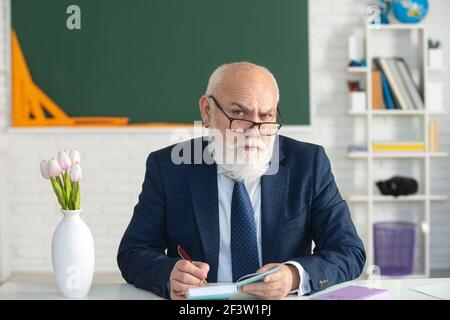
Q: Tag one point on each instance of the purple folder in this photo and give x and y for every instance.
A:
(355, 293)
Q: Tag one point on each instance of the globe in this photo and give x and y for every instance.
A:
(410, 11)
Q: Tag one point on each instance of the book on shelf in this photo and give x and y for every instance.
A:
(405, 99)
(377, 90)
(434, 136)
(391, 89)
(398, 86)
(354, 148)
(387, 94)
(395, 83)
(388, 146)
(412, 89)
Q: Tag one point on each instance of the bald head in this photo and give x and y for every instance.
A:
(241, 91)
(243, 77)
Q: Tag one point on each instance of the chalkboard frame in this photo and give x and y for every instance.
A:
(290, 128)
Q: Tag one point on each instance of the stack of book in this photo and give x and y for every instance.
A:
(393, 86)
(410, 146)
(390, 146)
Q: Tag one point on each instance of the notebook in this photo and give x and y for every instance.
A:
(224, 291)
(436, 290)
(355, 293)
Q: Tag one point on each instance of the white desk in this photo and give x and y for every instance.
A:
(49, 291)
(45, 291)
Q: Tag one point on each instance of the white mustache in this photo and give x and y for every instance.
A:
(249, 143)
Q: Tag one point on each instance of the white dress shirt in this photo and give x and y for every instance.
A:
(225, 187)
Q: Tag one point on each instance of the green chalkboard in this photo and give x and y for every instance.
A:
(150, 60)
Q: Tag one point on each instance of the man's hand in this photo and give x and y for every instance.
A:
(186, 275)
(276, 285)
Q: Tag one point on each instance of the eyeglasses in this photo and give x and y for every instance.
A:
(243, 126)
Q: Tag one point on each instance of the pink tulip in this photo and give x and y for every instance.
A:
(75, 173)
(44, 170)
(54, 169)
(64, 161)
(75, 156)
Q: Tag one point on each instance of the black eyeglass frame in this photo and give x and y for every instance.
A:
(254, 124)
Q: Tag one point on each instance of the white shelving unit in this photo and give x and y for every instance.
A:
(391, 155)
(370, 199)
(376, 113)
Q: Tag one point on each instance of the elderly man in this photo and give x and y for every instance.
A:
(260, 203)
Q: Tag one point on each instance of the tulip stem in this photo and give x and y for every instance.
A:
(59, 193)
(75, 196)
(68, 189)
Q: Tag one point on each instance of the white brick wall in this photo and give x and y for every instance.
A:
(114, 161)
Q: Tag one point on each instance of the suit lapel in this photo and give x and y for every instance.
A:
(203, 186)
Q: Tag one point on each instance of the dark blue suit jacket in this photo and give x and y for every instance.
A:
(300, 204)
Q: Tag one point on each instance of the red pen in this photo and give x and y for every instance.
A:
(183, 254)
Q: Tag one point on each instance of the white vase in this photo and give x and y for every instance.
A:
(73, 255)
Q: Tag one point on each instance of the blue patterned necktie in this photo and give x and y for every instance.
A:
(244, 246)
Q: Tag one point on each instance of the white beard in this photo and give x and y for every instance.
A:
(240, 164)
